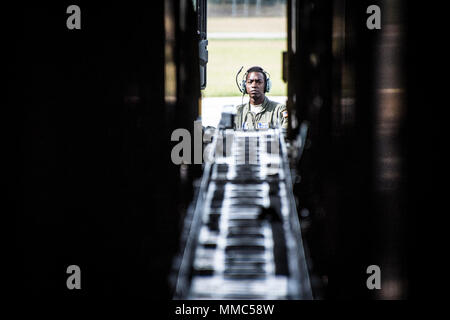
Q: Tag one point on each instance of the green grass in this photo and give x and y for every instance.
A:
(247, 24)
(227, 56)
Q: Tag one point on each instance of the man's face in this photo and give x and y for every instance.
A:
(255, 85)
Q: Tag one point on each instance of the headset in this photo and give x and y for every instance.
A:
(242, 85)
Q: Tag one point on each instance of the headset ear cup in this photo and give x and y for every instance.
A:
(243, 87)
(268, 85)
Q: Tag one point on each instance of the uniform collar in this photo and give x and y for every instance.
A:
(263, 105)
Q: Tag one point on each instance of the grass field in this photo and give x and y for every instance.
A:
(248, 24)
(226, 56)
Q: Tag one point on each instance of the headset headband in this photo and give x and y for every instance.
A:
(242, 86)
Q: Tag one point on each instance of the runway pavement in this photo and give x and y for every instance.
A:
(247, 35)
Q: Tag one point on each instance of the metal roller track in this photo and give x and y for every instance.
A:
(243, 238)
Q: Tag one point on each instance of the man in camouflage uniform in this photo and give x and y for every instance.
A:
(260, 112)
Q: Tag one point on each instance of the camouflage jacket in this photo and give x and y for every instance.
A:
(273, 114)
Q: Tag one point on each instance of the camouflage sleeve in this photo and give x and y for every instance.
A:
(238, 118)
(283, 116)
